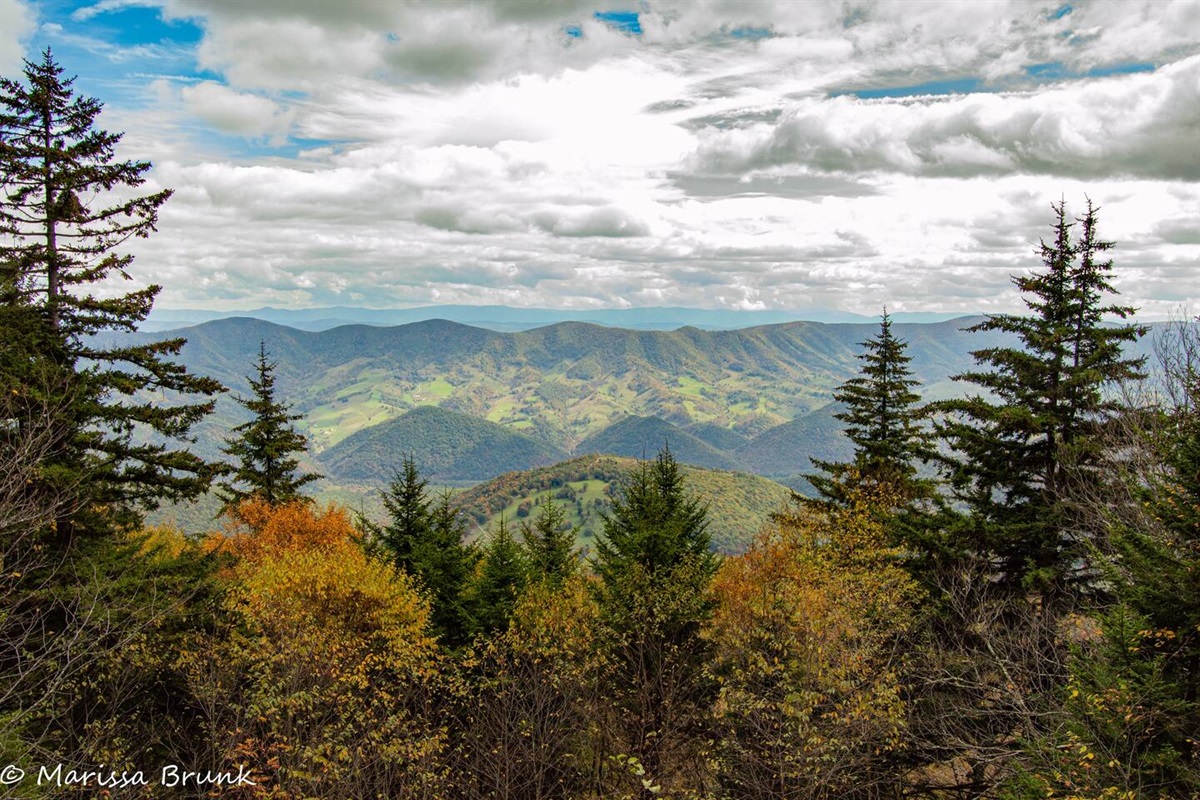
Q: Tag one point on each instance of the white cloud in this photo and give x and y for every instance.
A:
(478, 152)
(237, 113)
(17, 22)
(1141, 124)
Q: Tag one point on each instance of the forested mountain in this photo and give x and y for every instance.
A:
(642, 437)
(506, 318)
(560, 383)
(785, 449)
(736, 399)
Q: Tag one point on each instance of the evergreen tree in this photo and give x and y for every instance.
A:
(654, 525)
(444, 564)
(655, 566)
(501, 579)
(265, 446)
(424, 537)
(883, 420)
(408, 508)
(550, 544)
(66, 206)
(1156, 568)
(1020, 452)
(103, 451)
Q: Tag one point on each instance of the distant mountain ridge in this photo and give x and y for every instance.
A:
(509, 318)
(558, 384)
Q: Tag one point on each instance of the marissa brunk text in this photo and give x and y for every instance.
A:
(169, 776)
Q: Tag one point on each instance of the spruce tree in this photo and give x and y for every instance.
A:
(425, 537)
(67, 205)
(654, 525)
(444, 564)
(82, 598)
(266, 446)
(409, 518)
(1021, 445)
(550, 543)
(883, 420)
(502, 577)
(654, 565)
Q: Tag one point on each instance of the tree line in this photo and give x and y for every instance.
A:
(997, 596)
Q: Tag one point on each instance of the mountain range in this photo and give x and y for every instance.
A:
(508, 318)
(563, 383)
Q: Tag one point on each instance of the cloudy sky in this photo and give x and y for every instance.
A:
(703, 153)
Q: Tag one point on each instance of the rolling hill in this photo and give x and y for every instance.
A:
(738, 503)
(642, 437)
(785, 450)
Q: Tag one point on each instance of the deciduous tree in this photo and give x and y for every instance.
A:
(808, 639)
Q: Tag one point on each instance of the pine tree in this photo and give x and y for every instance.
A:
(883, 420)
(550, 544)
(1020, 453)
(409, 522)
(58, 238)
(501, 579)
(265, 447)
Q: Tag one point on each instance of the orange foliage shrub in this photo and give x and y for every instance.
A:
(322, 682)
(256, 529)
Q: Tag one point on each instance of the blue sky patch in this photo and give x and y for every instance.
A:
(1061, 12)
(623, 21)
(952, 86)
(114, 52)
(1056, 70)
(752, 34)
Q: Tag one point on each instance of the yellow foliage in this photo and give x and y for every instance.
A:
(165, 540)
(805, 636)
(332, 653)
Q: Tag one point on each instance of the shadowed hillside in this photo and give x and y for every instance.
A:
(642, 437)
(446, 445)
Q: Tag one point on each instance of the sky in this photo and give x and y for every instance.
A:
(781, 155)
